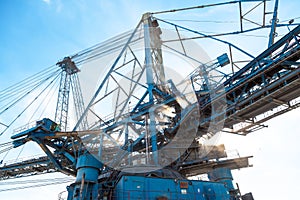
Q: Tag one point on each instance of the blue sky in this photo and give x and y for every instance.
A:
(35, 34)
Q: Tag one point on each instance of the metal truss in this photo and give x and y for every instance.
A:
(137, 112)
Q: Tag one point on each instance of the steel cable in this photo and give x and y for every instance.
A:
(30, 102)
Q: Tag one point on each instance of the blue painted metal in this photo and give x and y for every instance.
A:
(89, 165)
(208, 36)
(86, 184)
(89, 185)
(264, 54)
(46, 128)
(223, 60)
(139, 187)
(222, 175)
(41, 126)
(274, 24)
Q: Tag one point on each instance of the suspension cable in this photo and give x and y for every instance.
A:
(29, 92)
(30, 102)
(35, 186)
(36, 181)
(25, 82)
(6, 149)
(43, 100)
(47, 104)
(6, 144)
(195, 7)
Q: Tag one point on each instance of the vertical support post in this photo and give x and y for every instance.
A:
(241, 16)
(100, 146)
(274, 24)
(148, 56)
(150, 83)
(126, 134)
(231, 59)
(126, 143)
(61, 113)
(264, 15)
(86, 186)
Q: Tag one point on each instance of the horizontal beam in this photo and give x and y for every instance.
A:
(264, 54)
(203, 167)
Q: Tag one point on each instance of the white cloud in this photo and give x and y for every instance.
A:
(57, 4)
(47, 1)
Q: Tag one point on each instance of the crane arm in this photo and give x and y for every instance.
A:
(34, 166)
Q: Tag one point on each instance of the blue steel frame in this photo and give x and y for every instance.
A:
(269, 80)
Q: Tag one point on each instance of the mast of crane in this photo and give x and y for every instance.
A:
(155, 74)
(62, 107)
(150, 83)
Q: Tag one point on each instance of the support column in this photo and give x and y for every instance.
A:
(222, 175)
(86, 184)
(150, 83)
